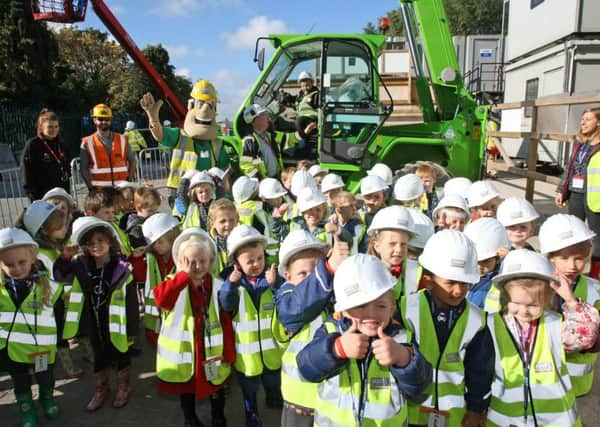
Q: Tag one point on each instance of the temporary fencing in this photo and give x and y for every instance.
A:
(12, 196)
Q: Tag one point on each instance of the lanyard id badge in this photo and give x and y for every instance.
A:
(211, 368)
(577, 182)
(436, 418)
(40, 361)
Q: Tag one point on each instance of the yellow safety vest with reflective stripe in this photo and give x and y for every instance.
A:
(304, 108)
(254, 343)
(448, 390)
(184, 158)
(117, 313)
(124, 244)
(581, 365)
(175, 358)
(294, 388)
(31, 328)
(250, 209)
(192, 216)
(592, 191)
(339, 397)
(553, 397)
(408, 281)
(136, 140)
(153, 279)
(492, 300)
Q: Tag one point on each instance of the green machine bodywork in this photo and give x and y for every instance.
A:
(352, 136)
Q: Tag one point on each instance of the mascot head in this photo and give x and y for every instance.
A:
(202, 112)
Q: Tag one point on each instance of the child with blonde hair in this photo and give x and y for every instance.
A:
(223, 217)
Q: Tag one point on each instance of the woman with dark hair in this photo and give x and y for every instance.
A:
(580, 186)
(44, 159)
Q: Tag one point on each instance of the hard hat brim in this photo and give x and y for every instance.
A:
(245, 241)
(185, 235)
(282, 268)
(501, 279)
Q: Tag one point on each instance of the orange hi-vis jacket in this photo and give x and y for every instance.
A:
(105, 170)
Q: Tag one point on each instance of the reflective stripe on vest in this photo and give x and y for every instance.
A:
(117, 313)
(412, 272)
(192, 216)
(304, 108)
(153, 278)
(294, 388)
(183, 159)
(31, 328)
(136, 140)
(338, 397)
(447, 392)
(581, 365)
(254, 343)
(553, 397)
(592, 192)
(248, 211)
(105, 170)
(175, 361)
(124, 243)
(492, 300)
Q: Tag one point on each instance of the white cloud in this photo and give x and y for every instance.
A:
(232, 87)
(188, 7)
(259, 26)
(177, 51)
(185, 72)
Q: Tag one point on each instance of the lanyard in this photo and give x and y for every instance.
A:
(205, 312)
(582, 153)
(60, 152)
(525, 339)
(35, 306)
(359, 412)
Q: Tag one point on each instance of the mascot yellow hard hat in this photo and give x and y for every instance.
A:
(102, 110)
(204, 91)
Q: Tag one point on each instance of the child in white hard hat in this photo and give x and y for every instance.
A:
(275, 199)
(302, 303)
(442, 318)
(331, 185)
(223, 217)
(195, 194)
(188, 363)
(27, 293)
(363, 357)
(247, 294)
(483, 199)
(451, 213)
(408, 191)
(519, 218)
(318, 173)
(345, 217)
(567, 243)
(531, 383)
(160, 232)
(431, 198)
(491, 244)
(373, 191)
(102, 285)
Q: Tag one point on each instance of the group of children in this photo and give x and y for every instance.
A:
(421, 304)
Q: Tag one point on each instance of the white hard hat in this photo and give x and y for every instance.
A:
(126, 184)
(86, 223)
(304, 75)
(15, 237)
(59, 192)
(522, 263)
(253, 111)
(158, 225)
(383, 171)
(201, 178)
(372, 184)
(243, 188)
(331, 181)
(481, 192)
(392, 218)
(459, 185)
(360, 279)
(201, 235)
(242, 235)
(516, 210)
(271, 188)
(451, 200)
(130, 125)
(301, 180)
(309, 198)
(36, 215)
(315, 170)
(215, 171)
(489, 235)
(561, 231)
(408, 187)
(297, 241)
(451, 255)
(424, 229)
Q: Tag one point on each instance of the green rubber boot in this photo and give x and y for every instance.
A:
(28, 414)
(49, 405)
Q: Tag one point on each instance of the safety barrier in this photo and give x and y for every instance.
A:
(153, 166)
(12, 196)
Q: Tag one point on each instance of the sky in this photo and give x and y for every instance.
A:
(215, 39)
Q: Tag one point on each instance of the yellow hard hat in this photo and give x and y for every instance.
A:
(102, 110)
(204, 91)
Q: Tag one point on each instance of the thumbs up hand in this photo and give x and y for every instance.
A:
(389, 352)
(236, 274)
(354, 343)
(271, 275)
(338, 253)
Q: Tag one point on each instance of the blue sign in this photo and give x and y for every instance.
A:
(485, 53)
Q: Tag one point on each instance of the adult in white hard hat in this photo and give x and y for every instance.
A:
(451, 212)
(383, 171)
(244, 188)
(483, 198)
(408, 190)
(260, 151)
(458, 185)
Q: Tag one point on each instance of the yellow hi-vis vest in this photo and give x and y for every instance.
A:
(192, 216)
(153, 279)
(136, 140)
(175, 359)
(250, 209)
(339, 397)
(447, 392)
(30, 328)
(492, 300)
(408, 281)
(546, 381)
(592, 191)
(294, 388)
(304, 109)
(254, 343)
(581, 365)
(184, 158)
(117, 313)
(124, 244)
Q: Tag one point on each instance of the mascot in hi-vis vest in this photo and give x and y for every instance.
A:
(196, 145)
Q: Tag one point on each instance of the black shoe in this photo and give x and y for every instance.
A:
(134, 351)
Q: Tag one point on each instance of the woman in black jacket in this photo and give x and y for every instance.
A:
(44, 159)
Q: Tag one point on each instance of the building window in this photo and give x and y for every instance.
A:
(535, 3)
(531, 94)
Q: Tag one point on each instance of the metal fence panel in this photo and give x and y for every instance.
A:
(153, 166)
(12, 196)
